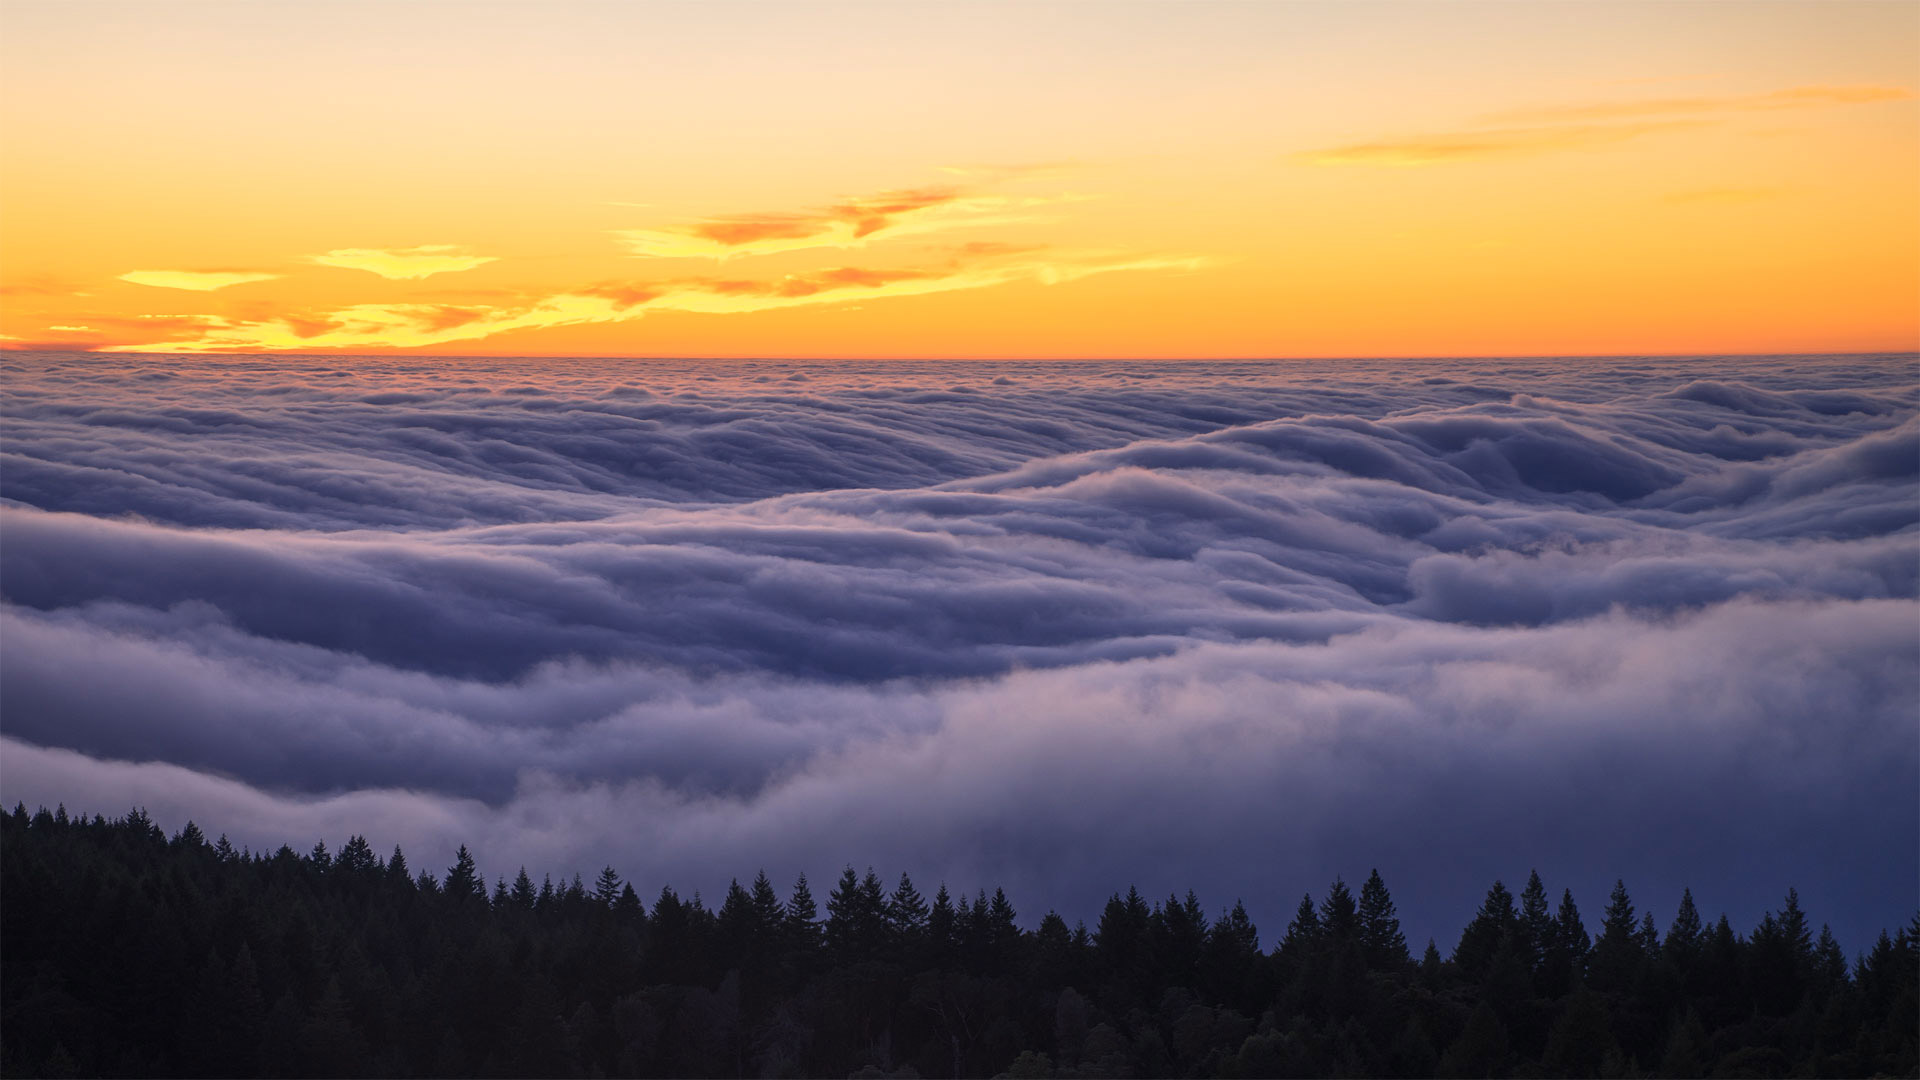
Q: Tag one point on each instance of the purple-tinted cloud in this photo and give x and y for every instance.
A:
(1059, 627)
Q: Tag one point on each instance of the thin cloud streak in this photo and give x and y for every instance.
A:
(1573, 127)
(849, 223)
(1796, 97)
(194, 280)
(1457, 146)
(404, 264)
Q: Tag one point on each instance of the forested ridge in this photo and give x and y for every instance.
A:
(127, 952)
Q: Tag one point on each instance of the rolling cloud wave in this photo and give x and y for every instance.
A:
(1056, 626)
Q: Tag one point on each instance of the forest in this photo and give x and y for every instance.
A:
(126, 952)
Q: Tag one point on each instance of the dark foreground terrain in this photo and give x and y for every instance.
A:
(131, 954)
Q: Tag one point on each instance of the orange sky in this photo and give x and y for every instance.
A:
(1175, 179)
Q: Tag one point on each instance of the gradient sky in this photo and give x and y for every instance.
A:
(961, 180)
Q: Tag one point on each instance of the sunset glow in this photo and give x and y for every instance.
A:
(967, 180)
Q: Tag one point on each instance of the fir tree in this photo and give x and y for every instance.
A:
(356, 856)
(1684, 935)
(1618, 951)
(768, 913)
(907, 911)
(1493, 925)
(1380, 926)
(1338, 917)
(1305, 927)
(1536, 921)
(463, 878)
(802, 929)
(606, 887)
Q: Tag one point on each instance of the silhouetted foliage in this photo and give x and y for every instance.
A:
(127, 953)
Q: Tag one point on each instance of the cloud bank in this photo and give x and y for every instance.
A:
(1055, 626)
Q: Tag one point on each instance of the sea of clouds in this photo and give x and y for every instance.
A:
(1060, 627)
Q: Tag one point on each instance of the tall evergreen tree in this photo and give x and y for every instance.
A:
(1304, 927)
(1618, 951)
(769, 914)
(1563, 961)
(942, 928)
(1493, 925)
(1684, 935)
(356, 856)
(1536, 920)
(907, 911)
(523, 894)
(606, 887)
(1339, 918)
(1380, 926)
(802, 929)
(463, 878)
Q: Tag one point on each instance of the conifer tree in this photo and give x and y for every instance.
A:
(463, 878)
(1648, 935)
(1618, 951)
(1536, 921)
(802, 931)
(1684, 935)
(739, 926)
(356, 856)
(768, 913)
(1002, 928)
(1339, 918)
(1793, 929)
(523, 894)
(1493, 925)
(1380, 926)
(1570, 930)
(606, 887)
(1305, 927)
(907, 911)
(844, 917)
(941, 924)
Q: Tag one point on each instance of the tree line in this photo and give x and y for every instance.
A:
(126, 952)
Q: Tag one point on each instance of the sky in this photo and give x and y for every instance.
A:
(1056, 446)
(960, 180)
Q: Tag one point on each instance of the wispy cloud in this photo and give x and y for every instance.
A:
(404, 264)
(1452, 146)
(1522, 132)
(418, 325)
(194, 280)
(1727, 195)
(1794, 97)
(846, 224)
